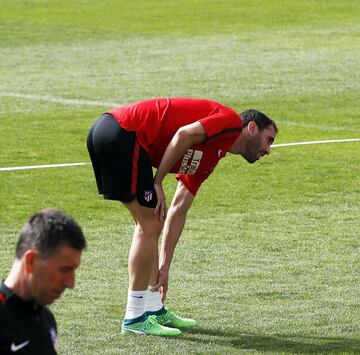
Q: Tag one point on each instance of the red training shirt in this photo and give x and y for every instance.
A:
(157, 120)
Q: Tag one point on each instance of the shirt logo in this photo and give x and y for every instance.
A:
(191, 162)
(14, 348)
(148, 195)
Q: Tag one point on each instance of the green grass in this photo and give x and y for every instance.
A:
(269, 259)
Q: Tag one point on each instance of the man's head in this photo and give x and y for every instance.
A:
(49, 251)
(257, 135)
(261, 120)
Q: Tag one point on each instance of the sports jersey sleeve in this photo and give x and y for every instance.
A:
(193, 182)
(219, 120)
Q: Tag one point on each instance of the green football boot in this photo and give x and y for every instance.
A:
(149, 327)
(170, 319)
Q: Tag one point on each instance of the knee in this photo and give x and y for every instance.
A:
(150, 229)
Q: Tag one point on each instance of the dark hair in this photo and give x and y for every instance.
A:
(47, 230)
(261, 120)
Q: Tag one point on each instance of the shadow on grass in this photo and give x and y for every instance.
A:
(296, 344)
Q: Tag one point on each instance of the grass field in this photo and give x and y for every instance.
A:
(269, 260)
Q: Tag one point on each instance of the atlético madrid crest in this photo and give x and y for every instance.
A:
(148, 195)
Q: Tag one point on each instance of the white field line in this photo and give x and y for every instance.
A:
(42, 166)
(316, 142)
(59, 100)
(273, 146)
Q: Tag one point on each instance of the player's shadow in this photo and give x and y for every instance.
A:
(295, 344)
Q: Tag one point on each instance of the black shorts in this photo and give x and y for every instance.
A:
(122, 167)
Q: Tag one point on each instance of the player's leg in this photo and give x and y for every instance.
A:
(142, 254)
(144, 247)
(142, 257)
(154, 303)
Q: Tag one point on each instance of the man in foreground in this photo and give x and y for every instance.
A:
(176, 135)
(47, 254)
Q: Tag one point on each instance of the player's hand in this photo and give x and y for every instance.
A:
(161, 206)
(162, 284)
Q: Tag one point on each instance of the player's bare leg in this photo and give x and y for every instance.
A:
(142, 256)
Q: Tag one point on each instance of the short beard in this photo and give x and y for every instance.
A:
(252, 149)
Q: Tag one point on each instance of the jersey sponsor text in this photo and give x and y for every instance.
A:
(191, 162)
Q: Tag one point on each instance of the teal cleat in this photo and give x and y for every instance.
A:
(170, 319)
(148, 327)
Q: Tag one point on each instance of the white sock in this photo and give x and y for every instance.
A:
(153, 301)
(135, 304)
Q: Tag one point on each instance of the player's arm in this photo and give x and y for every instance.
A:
(173, 228)
(183, 139)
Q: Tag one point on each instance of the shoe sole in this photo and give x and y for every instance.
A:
(128, 331)
(178, 326)
(133, 332)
